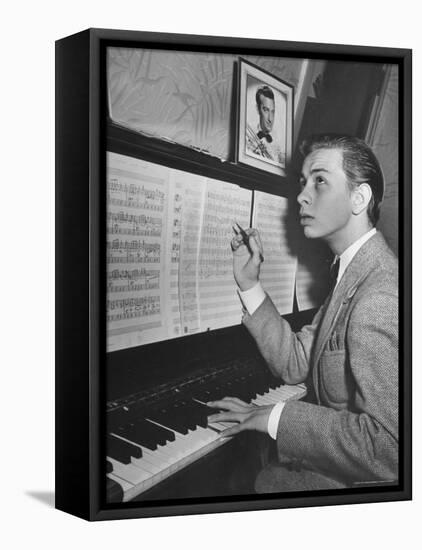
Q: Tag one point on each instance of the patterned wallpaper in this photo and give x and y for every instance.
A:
(181, 96)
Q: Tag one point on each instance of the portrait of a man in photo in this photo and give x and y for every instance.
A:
(264, 118)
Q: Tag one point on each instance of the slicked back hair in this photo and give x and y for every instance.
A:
(266, 92)
(359, 164)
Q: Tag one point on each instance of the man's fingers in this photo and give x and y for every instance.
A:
(219, 404)
(237, 402)
(228, 416)
(256, 249)
(236, 242)
(232, 431)
(230, 404)
(234, 400)
(255, 234)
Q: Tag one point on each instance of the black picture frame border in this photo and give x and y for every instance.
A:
(80, 89)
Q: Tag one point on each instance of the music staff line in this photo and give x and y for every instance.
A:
(134, 189)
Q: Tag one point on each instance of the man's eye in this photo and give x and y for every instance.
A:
(319, 180)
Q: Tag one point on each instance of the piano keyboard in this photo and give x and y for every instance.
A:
(144, 452)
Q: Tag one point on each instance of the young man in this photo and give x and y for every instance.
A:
(350, 435)
(261, 142)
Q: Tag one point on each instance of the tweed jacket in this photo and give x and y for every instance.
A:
(350, 352)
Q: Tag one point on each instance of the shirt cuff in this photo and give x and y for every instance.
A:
(274, 419)
(252, 298)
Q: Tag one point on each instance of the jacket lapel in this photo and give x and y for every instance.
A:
(355, 272)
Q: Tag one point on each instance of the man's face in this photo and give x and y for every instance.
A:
(326, 199)
(266, 111)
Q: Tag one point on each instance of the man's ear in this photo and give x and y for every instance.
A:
(361, 195)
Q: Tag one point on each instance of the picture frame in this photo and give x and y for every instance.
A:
(90, 124)
(270, 148)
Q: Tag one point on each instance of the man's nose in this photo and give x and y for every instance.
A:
(304, 197)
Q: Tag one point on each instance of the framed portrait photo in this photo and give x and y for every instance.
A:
(264, 119)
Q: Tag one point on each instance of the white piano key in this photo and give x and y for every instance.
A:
(183, 445)
(159, 461)
(129, 472)
(262, 400)
(125, 485)
(159, 457)
(147, 464)
(281, 394)
(207, 434)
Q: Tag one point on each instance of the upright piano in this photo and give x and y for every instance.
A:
(158, 441)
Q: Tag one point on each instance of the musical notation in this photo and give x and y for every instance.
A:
(123, 223)
(224, 203)
(131, 308)
(134, 190)
(279, 269)
(133, 251)
(169, 261)
(192, 218)
(136, 266)
(140, 205)
(132, 280)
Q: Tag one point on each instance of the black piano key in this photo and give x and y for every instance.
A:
(151, 434)
(275, 382)
(248, 390)
(121, 450)
(109, 467)
(163, 434)
(135, 433)
(166, 418)
(185, 412)
(244, 394)
(117, 418)
(216, 392)
(205, 412)
(261, 384)
(202, 395)
(239, 388)
(196, 414)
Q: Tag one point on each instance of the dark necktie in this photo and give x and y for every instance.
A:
(334, 273)
(262, 134)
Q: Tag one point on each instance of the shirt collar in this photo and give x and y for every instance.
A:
(350, 252)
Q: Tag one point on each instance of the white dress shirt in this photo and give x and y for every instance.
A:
(253, 298)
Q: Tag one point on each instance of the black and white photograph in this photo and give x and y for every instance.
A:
(252, 322)
(265, 119)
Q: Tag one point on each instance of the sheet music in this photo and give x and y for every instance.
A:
(173, 244)
(304, 295)
(136, 255)
(225, 204)
(312, 273)
(169, 263)
(279, 268)
(192, 218)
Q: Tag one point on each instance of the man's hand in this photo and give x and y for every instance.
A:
(249, 417)
(246, 264)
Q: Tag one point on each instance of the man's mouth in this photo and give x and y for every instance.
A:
(305, 219)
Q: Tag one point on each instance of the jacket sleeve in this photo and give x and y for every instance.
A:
(286, 353)
(361, 443)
